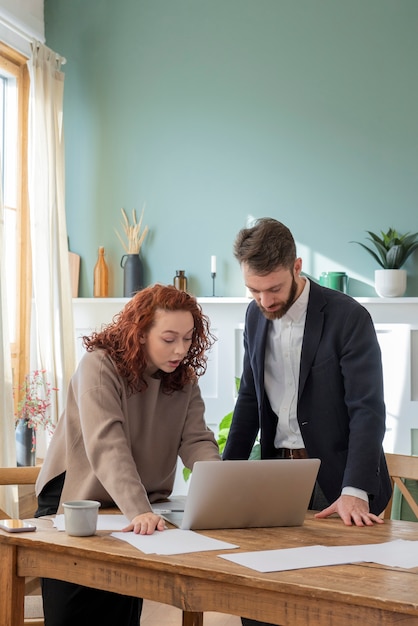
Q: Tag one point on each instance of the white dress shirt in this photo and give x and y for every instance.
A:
(283, 352)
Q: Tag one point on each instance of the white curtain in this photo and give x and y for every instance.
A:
(52, 334)
(8, 496)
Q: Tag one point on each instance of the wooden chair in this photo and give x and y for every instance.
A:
(401, 467)
(33, 599)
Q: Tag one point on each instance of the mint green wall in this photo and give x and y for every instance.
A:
(216, 111)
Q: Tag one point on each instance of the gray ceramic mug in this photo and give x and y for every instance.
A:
(81, 517)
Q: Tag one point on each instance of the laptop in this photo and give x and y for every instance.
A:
(244, 494)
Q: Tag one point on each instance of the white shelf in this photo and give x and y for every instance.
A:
(123, 301)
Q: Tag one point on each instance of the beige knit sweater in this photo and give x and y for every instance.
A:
(122, 449)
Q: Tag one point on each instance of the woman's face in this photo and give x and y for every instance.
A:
(169, 340)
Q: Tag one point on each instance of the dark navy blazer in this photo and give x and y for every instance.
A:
(341, 411)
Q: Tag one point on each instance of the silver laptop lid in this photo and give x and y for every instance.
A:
(245, 494)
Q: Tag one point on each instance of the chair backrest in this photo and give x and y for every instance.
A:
(18, 476)
(402, 466)
(33, 600)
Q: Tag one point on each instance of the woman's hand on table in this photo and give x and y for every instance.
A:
(146, 524)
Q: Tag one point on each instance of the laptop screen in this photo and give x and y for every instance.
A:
(245, 494)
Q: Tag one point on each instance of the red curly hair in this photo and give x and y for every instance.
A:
(120, 338)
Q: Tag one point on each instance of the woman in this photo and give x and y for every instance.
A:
(133, 406)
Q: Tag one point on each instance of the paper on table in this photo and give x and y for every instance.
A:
(286, 559)
(104, 522)
(173, 541)
(397, 553)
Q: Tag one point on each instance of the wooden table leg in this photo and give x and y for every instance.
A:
(191, 618)
(12, 588)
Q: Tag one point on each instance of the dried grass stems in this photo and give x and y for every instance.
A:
(134, 237)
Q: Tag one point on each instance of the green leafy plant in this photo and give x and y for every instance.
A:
(224, 428)
(223, 433)
(391, 249)
(186, 473)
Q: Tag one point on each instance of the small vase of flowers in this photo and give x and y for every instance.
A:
(33, 411)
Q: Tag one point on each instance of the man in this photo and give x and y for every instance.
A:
(312, 380)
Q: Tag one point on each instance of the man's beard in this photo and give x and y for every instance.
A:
(276, 315)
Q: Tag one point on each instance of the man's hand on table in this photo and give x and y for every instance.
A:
(352, 510)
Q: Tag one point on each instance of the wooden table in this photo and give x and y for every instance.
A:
(343, 595)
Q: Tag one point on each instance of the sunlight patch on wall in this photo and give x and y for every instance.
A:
(314, 263)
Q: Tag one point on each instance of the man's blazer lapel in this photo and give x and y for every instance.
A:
(258, 326)
(312, 335)
(261, 338)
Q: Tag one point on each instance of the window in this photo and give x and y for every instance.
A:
(8, 141)
(14, 90)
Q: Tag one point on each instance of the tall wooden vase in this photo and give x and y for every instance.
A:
(133, 274)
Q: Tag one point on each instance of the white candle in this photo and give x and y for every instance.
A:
(213, 264)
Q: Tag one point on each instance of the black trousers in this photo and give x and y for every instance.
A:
(69, 604)
(317, 503)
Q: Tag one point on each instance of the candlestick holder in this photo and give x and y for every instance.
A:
(213, 274)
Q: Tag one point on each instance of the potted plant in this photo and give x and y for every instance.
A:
(133, 279)
(224, 428)
(390, 251)
(33, 411)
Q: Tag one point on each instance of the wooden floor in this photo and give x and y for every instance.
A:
(154, 614)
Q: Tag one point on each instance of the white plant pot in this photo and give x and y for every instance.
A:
(390, 283)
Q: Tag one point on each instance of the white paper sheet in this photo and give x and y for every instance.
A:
(286, 559)
(397, 553)
(173, 541)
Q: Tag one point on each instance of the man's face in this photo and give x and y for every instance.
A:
(275, 292)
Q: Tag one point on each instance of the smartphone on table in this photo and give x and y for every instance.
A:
(16, 526)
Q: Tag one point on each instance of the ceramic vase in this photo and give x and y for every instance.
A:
(390, 283)
(133, 274)
(25, 444)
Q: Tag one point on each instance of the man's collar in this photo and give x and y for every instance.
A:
(299, 307)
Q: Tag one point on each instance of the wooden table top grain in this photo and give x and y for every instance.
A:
(346, 595)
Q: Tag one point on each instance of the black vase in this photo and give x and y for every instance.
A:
(133, 274)
(25, 444)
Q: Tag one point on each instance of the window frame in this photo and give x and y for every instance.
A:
(15, 64)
